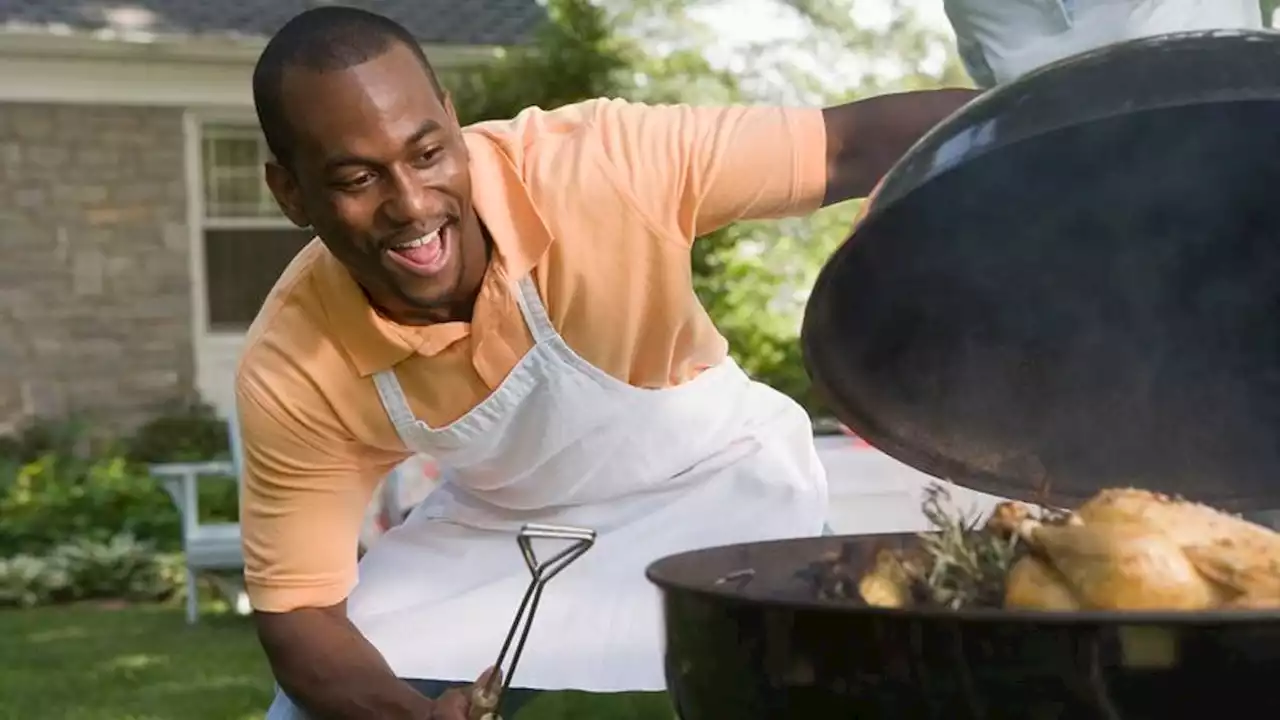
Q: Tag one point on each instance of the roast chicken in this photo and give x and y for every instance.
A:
(1124, 549)
(1129, 549)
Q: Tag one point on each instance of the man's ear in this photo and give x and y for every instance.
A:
(284, 187)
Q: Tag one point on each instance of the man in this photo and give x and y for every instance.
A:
(1001, 40)
(514, 299)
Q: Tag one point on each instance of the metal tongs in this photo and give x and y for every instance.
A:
(487, 697)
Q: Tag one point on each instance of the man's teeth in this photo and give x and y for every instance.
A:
(424, 240)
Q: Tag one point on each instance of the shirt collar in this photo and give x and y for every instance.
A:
(502, 198)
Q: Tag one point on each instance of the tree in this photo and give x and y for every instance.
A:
(754, 277)
(576, 56)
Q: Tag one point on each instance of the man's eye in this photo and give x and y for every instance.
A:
(431, 154)
(355, 182)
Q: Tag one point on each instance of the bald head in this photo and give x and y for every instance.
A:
(321, 40)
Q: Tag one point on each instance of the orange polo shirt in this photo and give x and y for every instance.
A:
(600, 201)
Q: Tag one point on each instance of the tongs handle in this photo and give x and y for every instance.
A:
(487, 696)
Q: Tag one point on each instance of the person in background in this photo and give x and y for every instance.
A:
(514, 299)
(398, 493)
(1002, 40)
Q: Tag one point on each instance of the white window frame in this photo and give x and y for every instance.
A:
(195, 124)
(237, 130)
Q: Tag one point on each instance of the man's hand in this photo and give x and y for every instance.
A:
(464, 704)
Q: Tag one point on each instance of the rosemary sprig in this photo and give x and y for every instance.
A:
(966, 563)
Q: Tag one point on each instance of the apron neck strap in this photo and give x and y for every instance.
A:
(396, 404)
(534, 312)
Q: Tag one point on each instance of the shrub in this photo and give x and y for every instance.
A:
(122, 568)
(183, 431)
(27, 580)
(70, 437)
(56, 485)
(81, 518)
(57, 498)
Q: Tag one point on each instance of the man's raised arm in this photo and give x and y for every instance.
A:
(692, 170)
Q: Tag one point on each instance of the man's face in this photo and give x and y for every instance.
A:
(379, 170)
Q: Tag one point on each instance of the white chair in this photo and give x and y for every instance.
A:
(215, 547)
(207, 546)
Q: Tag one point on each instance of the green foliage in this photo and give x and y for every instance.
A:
(576, 57)
(184, 430)
(83, 519)
(121, 568)
(739, 289)
(56, 497)
(66, 437)
(56, 485)
(900, 54)
(28, 581)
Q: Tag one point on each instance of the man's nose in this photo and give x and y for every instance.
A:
(410, 200)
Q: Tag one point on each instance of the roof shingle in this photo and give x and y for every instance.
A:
(444, 22)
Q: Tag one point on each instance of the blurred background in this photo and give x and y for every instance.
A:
(137, 242)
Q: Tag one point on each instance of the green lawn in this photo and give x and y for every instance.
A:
(144, 663)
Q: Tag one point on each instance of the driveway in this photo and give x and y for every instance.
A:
(873, 493)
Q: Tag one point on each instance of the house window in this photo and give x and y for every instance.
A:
(247, 241)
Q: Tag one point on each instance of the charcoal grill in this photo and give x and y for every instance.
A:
(1073, 283)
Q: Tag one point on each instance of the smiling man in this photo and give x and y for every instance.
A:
(513, 298)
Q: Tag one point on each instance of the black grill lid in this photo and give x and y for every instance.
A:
(1075, 281)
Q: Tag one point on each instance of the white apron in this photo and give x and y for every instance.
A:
(1002, 40)
(717, 460)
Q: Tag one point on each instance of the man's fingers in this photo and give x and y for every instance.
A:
(484, 693)
(453, 705)
(470, 702)
(493, 672)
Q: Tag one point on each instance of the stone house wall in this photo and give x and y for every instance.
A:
(95, 292)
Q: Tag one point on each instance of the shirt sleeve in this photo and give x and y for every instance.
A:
(303, 501)
(707, 167)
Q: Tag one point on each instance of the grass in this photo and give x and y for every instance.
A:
(136, 663)
(144, 663)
